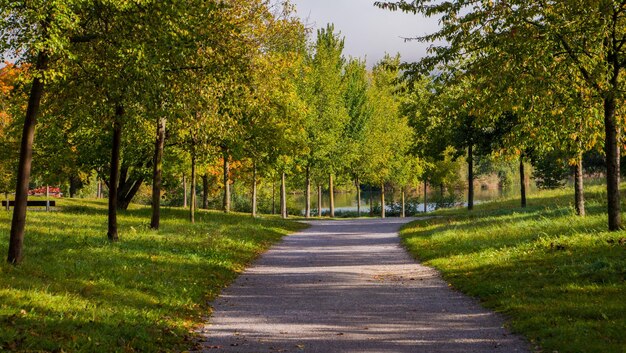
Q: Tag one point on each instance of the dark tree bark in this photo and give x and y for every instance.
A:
(522, 177)
(254, 189)
(358, 196)
(319, 201)
(157, 173)
(382, 200)
(470, 178)
(332, 195)
(128, 186)
(75, 185)
(579, 193)
(403, 205)
(184, 191)
(18, 222)
(192, 201)
(205, 191)
(283, 197)
(307, 195)
(226, 200)
(425, 196)
(611, 148)
(114, 174)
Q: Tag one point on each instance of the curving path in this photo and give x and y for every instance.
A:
(348, 286)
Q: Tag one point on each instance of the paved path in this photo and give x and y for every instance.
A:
(348, 286)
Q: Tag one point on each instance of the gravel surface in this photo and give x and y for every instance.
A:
(348, 286)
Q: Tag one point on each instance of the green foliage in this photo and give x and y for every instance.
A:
(77, 292)
(558, 277)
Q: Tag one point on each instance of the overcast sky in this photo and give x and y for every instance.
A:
(368, 30)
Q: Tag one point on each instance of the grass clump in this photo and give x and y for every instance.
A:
(559, 278)
(76, 292)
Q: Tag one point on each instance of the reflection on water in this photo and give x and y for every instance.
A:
(347, 202)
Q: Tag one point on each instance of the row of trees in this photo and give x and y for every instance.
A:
(528, 80)
(148, 91)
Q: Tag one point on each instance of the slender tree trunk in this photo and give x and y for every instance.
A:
(114, 174)
(157, 173)
(185, 191)
(18, 222)
(332, 195)
(403, 205)
(319, 201)
(371, 202)
(470, 178)
(254, 189)
(425, 196)
(358, 196)
(99, 189)
(192, 198)
(47, 198)
(307, 195)
(283, 197)
(205, 191)
(382, 201)
(522, 176)
(226, 201)
(611, 147)
(579, 193)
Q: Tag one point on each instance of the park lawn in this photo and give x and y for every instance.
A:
(76, 292)
(559, 278)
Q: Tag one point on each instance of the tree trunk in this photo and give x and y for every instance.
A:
(332, 195)
(157, 173)
(319, 201)
(192, 198)
(75, 185)
(371, 202)
(611, 147)
(273, 195)
(382, 201)
(254, 189)
(283, 197)
(470, 178)
(6, 197)
(99, 189)
(184, 191)
(226, 201)
(205, 191)
(114, 174)
(18, 222)
(425, 196)
(307, 195)
(579, 193)
(47, 198)
(126, 193)
(403, 205)
(522, 176)
(358, 196)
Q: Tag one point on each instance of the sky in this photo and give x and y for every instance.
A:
(370, 32)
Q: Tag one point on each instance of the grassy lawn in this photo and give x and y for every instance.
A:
(76, 292)
(558, 277)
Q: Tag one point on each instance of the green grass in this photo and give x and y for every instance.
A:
(558, 277)
(76, 292)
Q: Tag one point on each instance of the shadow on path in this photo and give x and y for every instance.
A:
(348, 286)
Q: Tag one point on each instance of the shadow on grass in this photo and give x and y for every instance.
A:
(561, 278)
(77, 292)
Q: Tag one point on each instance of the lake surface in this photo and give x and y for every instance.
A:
(347, 202)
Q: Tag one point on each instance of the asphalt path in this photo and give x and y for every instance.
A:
(348, 286)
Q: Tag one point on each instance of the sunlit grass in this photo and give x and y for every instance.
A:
(557, 276)
(76, 292)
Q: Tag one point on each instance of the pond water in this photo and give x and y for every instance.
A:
(347, 202)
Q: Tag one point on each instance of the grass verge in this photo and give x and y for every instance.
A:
(76, 292)
(558, 277)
